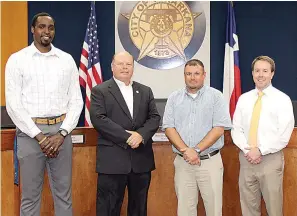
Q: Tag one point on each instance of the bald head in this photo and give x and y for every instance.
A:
(122, 54)
(122, 66)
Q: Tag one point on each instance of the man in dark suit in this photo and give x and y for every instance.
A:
(125, 115)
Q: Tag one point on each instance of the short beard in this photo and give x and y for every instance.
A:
(45, 44)
(196, 87)
(192, 87)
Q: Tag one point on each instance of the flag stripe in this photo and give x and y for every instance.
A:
(84, 53)
(82, 82)
(96, 75)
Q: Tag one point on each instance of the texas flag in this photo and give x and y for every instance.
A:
(232, 83)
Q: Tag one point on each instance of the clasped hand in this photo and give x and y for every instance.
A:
(253, 156)
(191, 156)
(134, 140)
(50, 147)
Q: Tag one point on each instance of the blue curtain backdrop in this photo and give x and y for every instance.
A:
(264, 28)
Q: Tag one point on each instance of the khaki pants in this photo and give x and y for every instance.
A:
(265, 178)
(206, 178)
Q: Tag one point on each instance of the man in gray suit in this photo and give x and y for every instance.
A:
(44, 101)
(125, 115)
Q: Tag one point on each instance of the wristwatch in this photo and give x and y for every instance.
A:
(197, 149)
(63, 132)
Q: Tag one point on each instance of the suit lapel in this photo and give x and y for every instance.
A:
(136, 99)
(116, 92)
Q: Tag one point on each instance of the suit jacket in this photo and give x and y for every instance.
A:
(110, 116)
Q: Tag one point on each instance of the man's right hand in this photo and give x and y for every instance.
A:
(45, 143)
(191, 156)
(134, 140)
(254, 155)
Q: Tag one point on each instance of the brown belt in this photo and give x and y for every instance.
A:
(204, 157)
(50, 120)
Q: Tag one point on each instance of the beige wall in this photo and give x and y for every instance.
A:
(14, 34)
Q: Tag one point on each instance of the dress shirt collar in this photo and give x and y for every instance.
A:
(122, 84)
(199, 92)
(52, 52)
(267, 91)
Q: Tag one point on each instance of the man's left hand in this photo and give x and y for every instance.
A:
(134, 140)
(254, 156)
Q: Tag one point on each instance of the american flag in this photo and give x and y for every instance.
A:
(232, 82)
(89, 68)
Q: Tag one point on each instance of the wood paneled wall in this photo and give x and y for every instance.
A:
(14, 33)
(162, 199)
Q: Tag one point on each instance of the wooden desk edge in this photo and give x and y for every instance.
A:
(7, 138)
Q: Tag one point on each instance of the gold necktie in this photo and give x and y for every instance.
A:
(255, 121)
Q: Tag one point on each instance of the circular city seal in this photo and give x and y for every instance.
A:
(161, 34)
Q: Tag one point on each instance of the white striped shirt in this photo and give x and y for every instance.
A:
(42, 85)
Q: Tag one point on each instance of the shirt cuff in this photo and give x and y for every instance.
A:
(34, 132)
(226, 126)
(165, 126)
(66, 127)
(245, 151)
